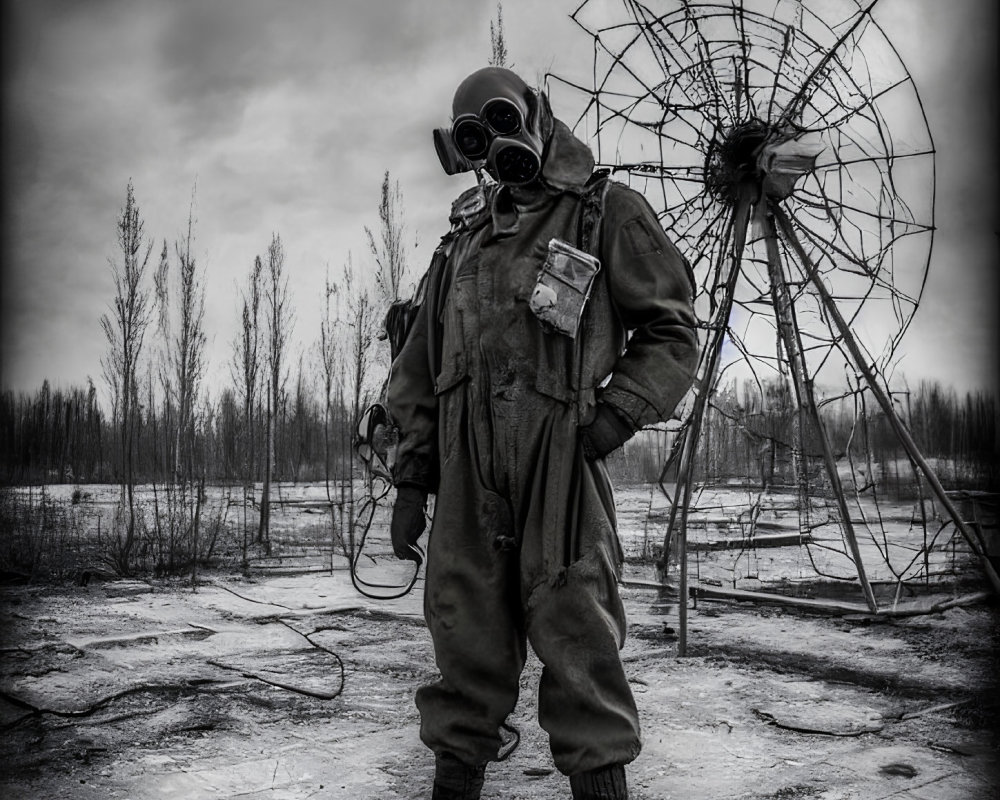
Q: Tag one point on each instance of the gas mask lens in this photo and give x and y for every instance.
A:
(516, 164)
(502, 116)
(470, 138)
(472, 134)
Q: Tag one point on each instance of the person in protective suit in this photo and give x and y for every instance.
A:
(555, 320)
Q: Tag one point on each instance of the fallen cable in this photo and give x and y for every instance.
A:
(364, 587)
(249, 599)
(34, 710)
(319, 695)
(279, 684)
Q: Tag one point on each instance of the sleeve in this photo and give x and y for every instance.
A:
(651, 286)
(411, 401)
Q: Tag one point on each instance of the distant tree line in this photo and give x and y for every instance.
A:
(752, 432)
(290, 413)
(63, 436)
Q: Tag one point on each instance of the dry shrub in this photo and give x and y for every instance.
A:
(40, 538)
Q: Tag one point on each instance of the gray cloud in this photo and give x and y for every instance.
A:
(213, 57)
(287, 115)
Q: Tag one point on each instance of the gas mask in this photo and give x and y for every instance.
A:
(500, 125)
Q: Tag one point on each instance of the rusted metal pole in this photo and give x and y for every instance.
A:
(682, 495)
(861, 363)
(789, 330)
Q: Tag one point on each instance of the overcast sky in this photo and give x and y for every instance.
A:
(287, 114)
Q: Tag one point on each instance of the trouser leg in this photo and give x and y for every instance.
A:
(576, 625)
(562, 508)
(584, 701)
(472, 608)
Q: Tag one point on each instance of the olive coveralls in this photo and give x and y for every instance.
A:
(523, 545)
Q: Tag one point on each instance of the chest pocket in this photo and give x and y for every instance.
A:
(547, 354)
(458, 321)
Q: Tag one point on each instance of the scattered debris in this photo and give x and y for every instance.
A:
(822, 716)
(902, 770)
(537, 772)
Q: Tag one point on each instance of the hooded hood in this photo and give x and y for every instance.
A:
(568, 162)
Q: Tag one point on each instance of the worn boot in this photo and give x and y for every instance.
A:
(607, 783)
(456, 780)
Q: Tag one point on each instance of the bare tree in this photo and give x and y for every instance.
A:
(332, 365)
(300, 454)
(329, 358)
(389, 249)
(124, 330)
(159, 363)
(355, 356)
(498, 43)
(363, 323)
(246, 375)
(181, 369)
(391, 279)
(188, 349)
(362, 354)
(279, 321)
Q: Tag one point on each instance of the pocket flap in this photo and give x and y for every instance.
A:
(449, 378)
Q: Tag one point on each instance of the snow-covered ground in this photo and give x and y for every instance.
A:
(289, 684)
(218, 693)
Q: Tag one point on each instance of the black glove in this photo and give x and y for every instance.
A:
(408, 521)
(609, 431)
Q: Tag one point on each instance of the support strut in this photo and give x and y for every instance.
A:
(682, 495)
(791, 338)
(862, 365)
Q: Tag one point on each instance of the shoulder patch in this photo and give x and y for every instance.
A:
(641, 239)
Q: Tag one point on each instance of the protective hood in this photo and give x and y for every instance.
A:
(568, 162)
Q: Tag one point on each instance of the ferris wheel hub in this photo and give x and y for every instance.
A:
(758, 160)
